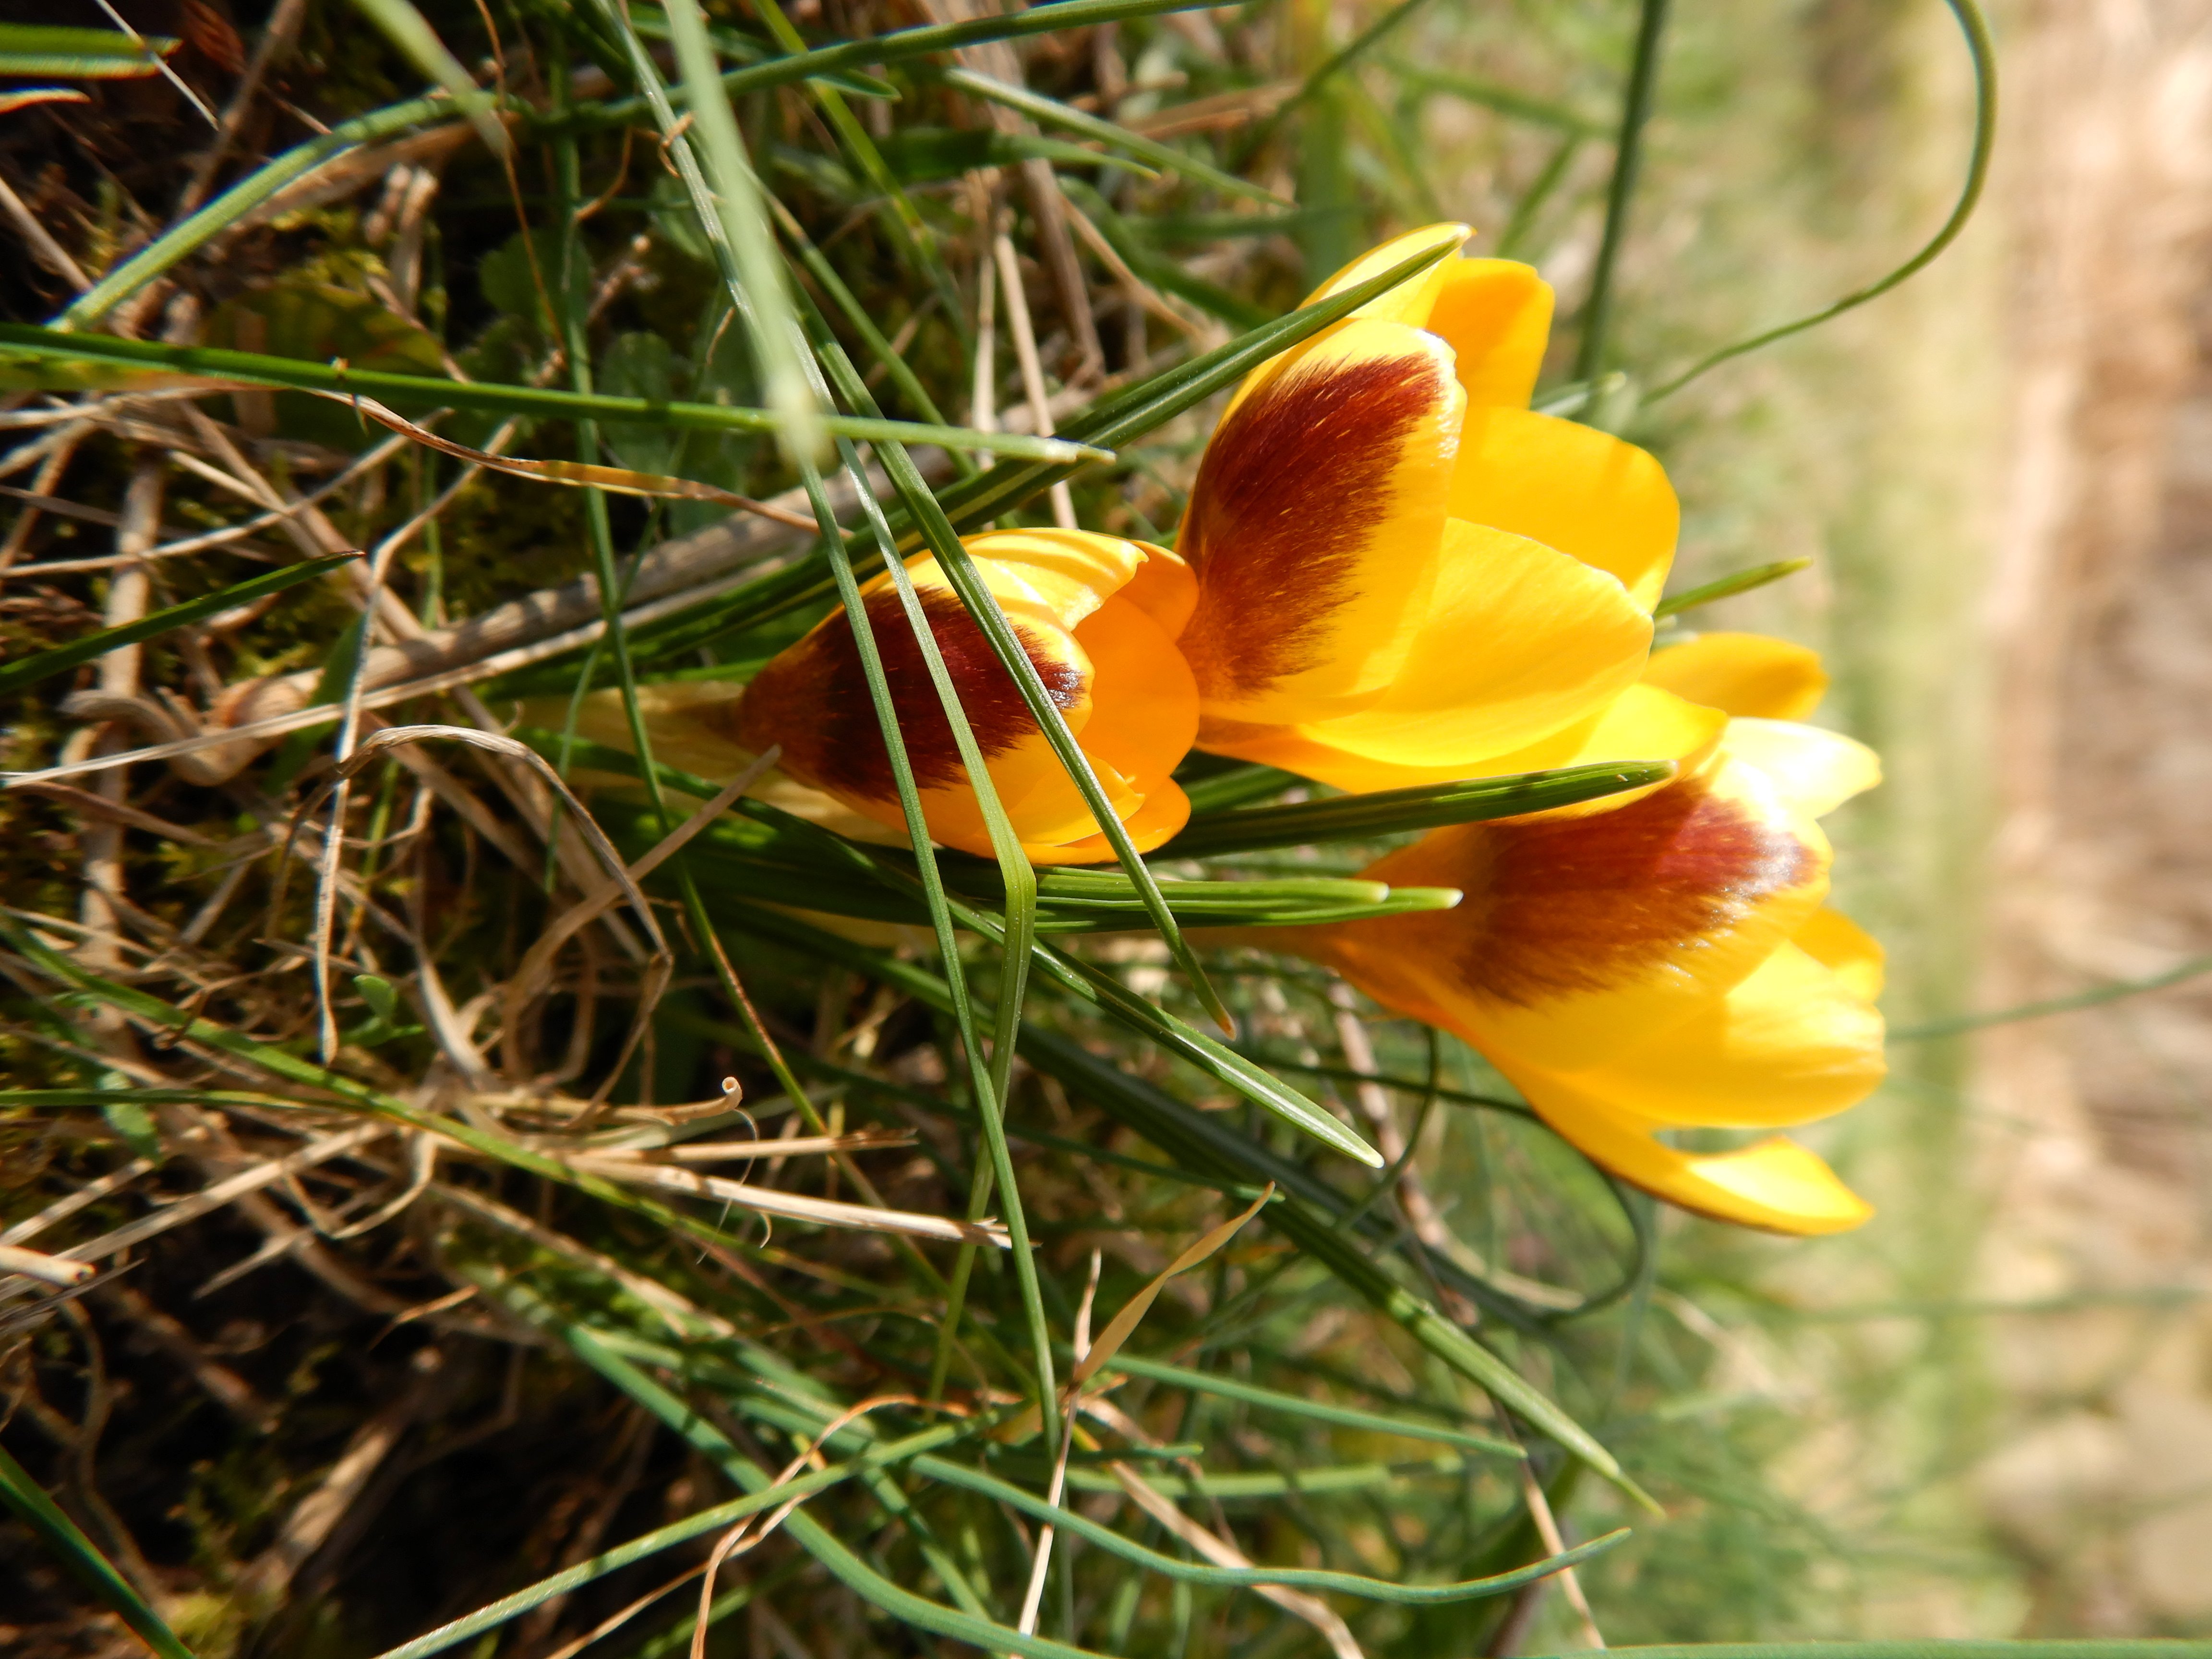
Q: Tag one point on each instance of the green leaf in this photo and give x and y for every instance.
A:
(1393, 812)
(1723, 587)
(1318, 1411)
(129, 1118)
(180, 241)
(15, 676)
(925, 154)
(383, 1002)
(1055, 113)
(25, 350)
(405, 27)
(59, 1534)
(902, 43)
(2056, 1647)
(36, 49)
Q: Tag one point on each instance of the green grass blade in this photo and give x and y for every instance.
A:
(1727, 586)
(1053, 113)
(406, 28)
(59, 1534)
(840, 1562)
(1393, 812)
(1310, 1579)
(2095, 996)
(737, 198)
(15, 676)
(24, 348)
(1538, 112)
(180, 241)
(1310, 1217)
(2044, 1647)
(493, 1614)
(1620, 190)
(1983, 51)
(902, 43)
(1317, 1411)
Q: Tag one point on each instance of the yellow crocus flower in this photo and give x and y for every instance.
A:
(1404, 575)
(1668, 964)
(1097, 617)
(1392, 572)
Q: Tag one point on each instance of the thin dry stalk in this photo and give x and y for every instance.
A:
(1223, 1553)
(1026, 354)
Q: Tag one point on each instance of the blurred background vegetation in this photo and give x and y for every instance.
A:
(1988, 1413)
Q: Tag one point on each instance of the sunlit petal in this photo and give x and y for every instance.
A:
(1846, 949)
(1747, 674)
(1571, 487)
(1775, 1185)
(1520, 642)
(1497, 315)
(1791, 1042)
(1317, 524)
(1817, 770)
(1580, 937)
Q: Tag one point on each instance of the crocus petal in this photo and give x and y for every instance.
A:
(1162, 815)
(1580, 937)
(1317, 523)
(1144, 714)
(1571, 487)
(694, 728)
(1817, 770)
(1747, 674)
(1789, 1044)
(814, 700)
(1845, 950)
(1520, 642)
(1497, 315)
(1411, 303)
(1775, 1185)
(1641, 724)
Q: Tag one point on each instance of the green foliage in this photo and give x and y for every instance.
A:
(721, 229)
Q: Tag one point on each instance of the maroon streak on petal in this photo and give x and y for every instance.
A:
(1291, 488)
(1562, 905)
(814, 700)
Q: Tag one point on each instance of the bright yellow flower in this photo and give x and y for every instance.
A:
(1668, 964)
(1404, 575)
(1098, 617)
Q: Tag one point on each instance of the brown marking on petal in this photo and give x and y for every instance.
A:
(814, 700)
(1291, 490)
(1562, 905)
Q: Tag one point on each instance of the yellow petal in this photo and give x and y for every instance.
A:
(1775, 1185)
(1520, 642)
(1747, 674)
(1497, 315)
(1055, 587)
(1165, 588)
(1817, 770)
(1409, 302)
(1641, 724)
(1791, 1042)
(1144, 702)
(1571, 487)
(1580, 937)
(1144, 714)
(1846, 949)
(1161, 816)
(1317, 524)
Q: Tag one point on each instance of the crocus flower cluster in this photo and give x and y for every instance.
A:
(1392, 572)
